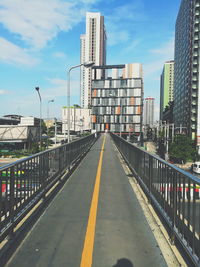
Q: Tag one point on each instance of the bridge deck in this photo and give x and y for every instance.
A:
(122, 236)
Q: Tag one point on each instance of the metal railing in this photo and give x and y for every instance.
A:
(24, 182)
(174, 193)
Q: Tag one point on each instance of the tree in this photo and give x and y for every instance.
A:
(182, 149)
(44, 127)
(161, 150)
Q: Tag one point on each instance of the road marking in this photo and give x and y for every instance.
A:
(86, 259)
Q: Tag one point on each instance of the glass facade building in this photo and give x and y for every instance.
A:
(186, 69)
(117, 98)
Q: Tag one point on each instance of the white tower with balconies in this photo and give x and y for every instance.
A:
(93, 48)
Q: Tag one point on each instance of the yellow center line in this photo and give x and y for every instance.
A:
(86, 260)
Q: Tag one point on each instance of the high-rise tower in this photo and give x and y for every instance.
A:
(186, 69)
(166, 86)
(93, 48)
(148, 118)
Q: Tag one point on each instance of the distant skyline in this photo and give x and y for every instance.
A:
(40, 40)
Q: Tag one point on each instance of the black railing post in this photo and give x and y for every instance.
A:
(174, 206)
(150, 177)
(193, 217)
(165, 185)
(12, 202)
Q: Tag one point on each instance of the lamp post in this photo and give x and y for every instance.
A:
(37, 89)
(87, 65)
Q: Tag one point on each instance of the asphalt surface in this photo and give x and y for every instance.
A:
(122, 237)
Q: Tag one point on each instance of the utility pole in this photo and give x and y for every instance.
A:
(38, 90)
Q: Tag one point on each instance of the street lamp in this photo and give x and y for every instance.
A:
(87, 65)
(37, 89)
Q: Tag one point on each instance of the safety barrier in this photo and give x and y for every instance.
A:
(173, 192)
(24, 182)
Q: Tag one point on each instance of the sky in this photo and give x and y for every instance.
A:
(40, 41)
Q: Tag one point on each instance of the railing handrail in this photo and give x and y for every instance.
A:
(11, 164)
(173, 192)
(25, 181)
(178, 169)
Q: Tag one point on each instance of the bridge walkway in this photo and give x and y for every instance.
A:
(95, 220)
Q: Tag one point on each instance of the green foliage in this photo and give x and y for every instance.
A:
(44, 127)
(161, 150)
(34, 148)
(14, 154)
(85, 134)
(182, 149)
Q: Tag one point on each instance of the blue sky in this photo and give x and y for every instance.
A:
(39, 41)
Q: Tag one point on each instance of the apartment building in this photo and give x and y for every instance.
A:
(148, 118)
(186, 69)
(92, 48)
(166, 86)
(117, 98)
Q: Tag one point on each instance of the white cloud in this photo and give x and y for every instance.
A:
(129, 12)
(3, 92)
(59, 88)
(117, 36)
(152, 67)
(121, 23)
(132, 45)
(162, 54)
(166, 49)
(60, 55)
(36, 22)
(11, 53)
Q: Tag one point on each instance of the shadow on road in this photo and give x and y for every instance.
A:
(123, 263)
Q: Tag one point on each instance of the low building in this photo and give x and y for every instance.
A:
(80, 119)
(21, 134)
(9, 120)
(30, 121)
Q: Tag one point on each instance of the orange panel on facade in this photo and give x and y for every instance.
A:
(132, 101)
(118, 110)
(107, 126)
(95, 92)
(94, 118)
(138, 110)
